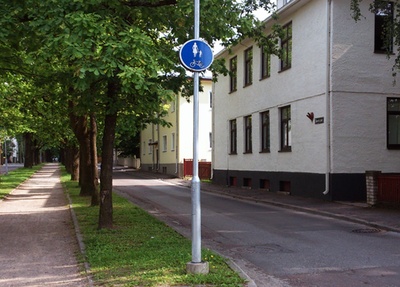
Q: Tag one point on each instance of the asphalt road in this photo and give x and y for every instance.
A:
(10, 167)
(274, 246)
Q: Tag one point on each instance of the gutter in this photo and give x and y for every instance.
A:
(328, 96)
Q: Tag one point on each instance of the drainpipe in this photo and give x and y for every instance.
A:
(177, 97)
(158, 157)
(152, 147)
(328, 96)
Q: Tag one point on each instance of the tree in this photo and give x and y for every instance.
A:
(119, 57)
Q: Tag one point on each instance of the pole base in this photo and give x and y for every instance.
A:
(197, 268)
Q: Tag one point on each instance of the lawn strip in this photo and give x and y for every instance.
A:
(10, 181)
(140, 250)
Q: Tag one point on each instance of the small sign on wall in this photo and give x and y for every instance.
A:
(319, 120)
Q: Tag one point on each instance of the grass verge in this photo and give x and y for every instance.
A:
(14, 178)
(140, 250)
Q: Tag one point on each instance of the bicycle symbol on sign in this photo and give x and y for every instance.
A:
(195, 63)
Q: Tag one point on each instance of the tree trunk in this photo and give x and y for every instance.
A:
(106, 206)
(84, 160)
(79, 125)
(93, 152)
(74, 157)
(28, 150)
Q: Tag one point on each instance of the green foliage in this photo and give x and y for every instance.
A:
(106, 58)
(70, 50)
(140, 250)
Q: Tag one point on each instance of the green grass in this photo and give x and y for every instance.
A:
(14, 178)
(140, 250)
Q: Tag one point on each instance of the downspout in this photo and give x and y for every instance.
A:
(152, 147)
(328, 96)
(177, 135)
(158, 158)
(212, 129)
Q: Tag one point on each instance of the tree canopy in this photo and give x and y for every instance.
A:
(106, 59)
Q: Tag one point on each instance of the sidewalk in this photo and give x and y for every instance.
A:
(374, 217)
(38, 245)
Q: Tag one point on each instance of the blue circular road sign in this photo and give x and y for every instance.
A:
(196, 55)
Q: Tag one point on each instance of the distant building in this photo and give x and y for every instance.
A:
(313, 121)
(163, 149)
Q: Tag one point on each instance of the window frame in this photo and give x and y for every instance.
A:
(233, 74)
(150, 146)
(265, 140)
(165, 143)
(233, 136)
(383, 37)
(248, 136)
(286, 128)
(390, 113)
(248, 67)
(286, 47)
(172, 141)
(265, 64)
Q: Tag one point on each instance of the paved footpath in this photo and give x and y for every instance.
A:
(38, 245)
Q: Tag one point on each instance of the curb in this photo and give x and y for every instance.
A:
(299, 208)
(79, 238)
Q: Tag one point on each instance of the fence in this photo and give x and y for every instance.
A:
(204, 168)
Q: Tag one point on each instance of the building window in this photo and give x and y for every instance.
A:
(172, 107)
(393, 123)
(164, 143)
(286, 46)
(233, 74)
(210, 98)
(233, 136)
(383, 27)
(264, 118)
(248, 66)
(172, 141)
(210, 139)
(247, 133)
(265, 63)
(286, 129)
(247, 182)
(150, 146)
(144, 148)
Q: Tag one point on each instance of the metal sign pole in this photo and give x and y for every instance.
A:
(196, 266)
(196, 210)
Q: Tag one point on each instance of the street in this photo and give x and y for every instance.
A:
(274, 246)
(10, 167)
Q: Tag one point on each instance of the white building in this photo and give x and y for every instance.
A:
(163, 149)
(313, 122)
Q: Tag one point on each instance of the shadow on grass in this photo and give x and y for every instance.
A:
(14, 178)
(140, 250)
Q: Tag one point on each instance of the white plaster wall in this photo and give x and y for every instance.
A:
(186, 125)
(359, 134)
(302, 87)
(361, 83)
(355, 66)
(145, 135)
(168, 156)
(183, 131)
